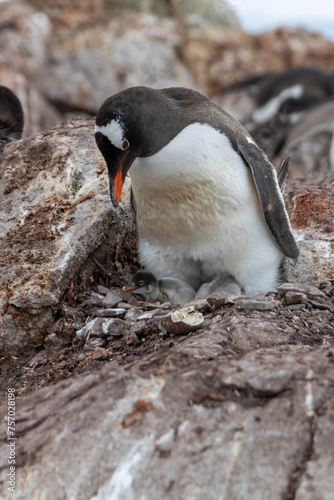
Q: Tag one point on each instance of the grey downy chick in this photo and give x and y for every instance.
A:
(160, 290)
(225, 283)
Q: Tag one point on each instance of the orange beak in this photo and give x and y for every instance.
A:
(118, 185)
(129, 288)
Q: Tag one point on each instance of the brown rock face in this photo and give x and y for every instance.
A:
(55, 211)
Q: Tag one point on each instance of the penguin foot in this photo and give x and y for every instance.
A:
(225, 283)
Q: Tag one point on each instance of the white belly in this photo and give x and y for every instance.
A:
(198, 213)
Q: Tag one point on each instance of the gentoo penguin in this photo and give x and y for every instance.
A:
(11, 117)
(207, 198)
(267, 105)
(162, 290)
(225, 283)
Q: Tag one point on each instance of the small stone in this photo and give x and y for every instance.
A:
(92, 343)
(133, 314)
(295, 298)
(96, 299)
(110, 312)
(165, 442)
(103, 327)
(133, 301)
(111, 300)
(255, 305)
(39, 359)
(53, 343)
(68, 312)
(77, 325)
(125, 305)
(140, 328)
(81, 334)
(150, 314)
(181, 321)
(132, 339)
(312, 292)
(99, 352)
(103, 290)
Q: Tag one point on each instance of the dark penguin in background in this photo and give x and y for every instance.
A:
(207, 199)
(11, 117)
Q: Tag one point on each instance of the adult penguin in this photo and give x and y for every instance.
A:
(207, 198)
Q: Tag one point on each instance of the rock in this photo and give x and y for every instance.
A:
(181, 321)
(311, 210)
(53, 343)
(103, 327)
(249, 304)
(230, 413)
(51, 221)
(300, 289)
(294, 297)
(96, 299)
(126, 53)
(111, 312)
(217, 12)
(111, 300)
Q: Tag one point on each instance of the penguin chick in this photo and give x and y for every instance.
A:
(162, 290)
(225, 283)
(11, 117)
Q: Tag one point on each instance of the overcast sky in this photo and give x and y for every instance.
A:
(260, 15)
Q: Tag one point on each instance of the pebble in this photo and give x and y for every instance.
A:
(181, 321)
(140, 328)
(111, 300)
(255, 305)
(103, 290)
(96, 299)
(92, 343)
(110, 312)
(311, 291)
(77, 325)
(103, 327)
(295, 298)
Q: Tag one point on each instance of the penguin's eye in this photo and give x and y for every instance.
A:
(125, 144)
(141, 283)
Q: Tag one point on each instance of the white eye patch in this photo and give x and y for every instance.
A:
(115, 134)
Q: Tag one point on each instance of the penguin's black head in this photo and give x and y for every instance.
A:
(118, 144)
(142, 282)
(136, 122)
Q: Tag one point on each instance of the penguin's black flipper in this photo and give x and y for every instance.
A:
(268, 189)
(282, 170)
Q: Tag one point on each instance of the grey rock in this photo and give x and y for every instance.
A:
(94, 342)
(248, 304)
(218, 12)
(111, 300)
(96, 299)
(51, 220)
(210, 421)
(293, 297)
(111, 312)
(312, 292)
(102, 290)
(315, 261)
(103, 327)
